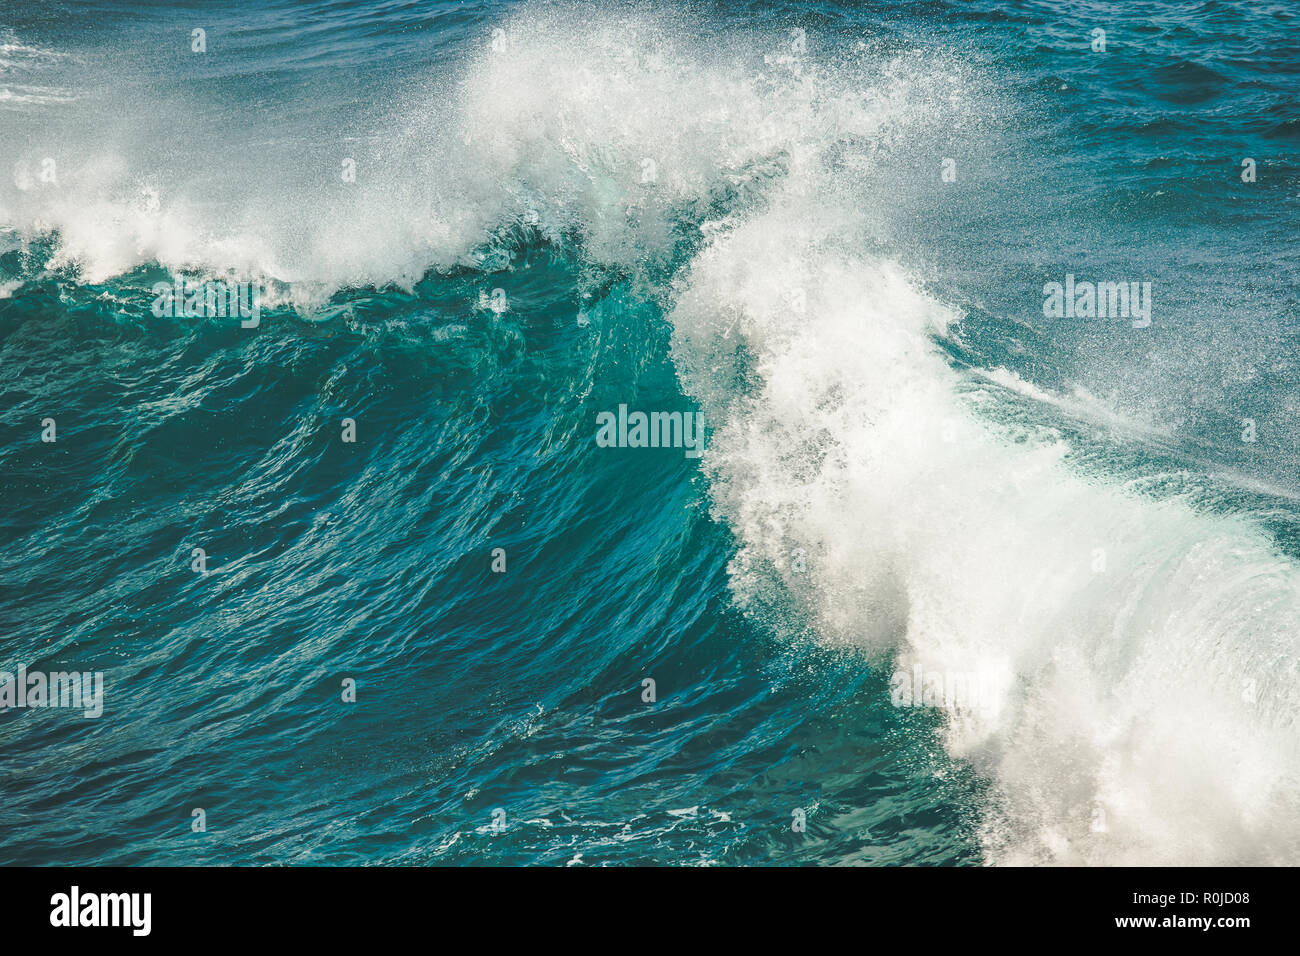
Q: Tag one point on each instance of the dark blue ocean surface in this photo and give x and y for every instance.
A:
(961, 576)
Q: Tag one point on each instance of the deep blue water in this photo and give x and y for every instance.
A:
(826, 229)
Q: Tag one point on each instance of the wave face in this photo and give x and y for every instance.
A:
(474, 231)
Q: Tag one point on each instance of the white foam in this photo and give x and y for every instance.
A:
(1151, 687)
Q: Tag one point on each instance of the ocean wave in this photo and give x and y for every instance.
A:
(1143, 648)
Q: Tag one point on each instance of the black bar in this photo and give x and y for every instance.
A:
(930, 906)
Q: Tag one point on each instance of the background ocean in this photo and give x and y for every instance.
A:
(734, 209)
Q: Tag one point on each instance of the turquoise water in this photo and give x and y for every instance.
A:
(826, 229)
